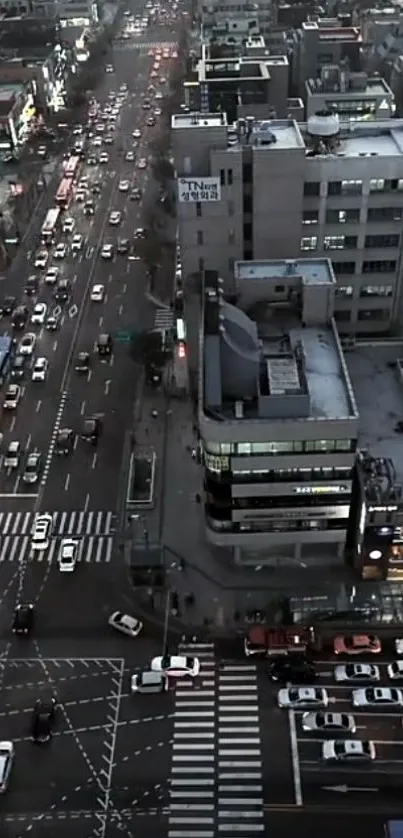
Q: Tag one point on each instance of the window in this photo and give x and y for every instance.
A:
(376, 291)
(198, 209)
(230, 177)
(334, 187)
(309, 243)
(381, 241)
(373, 314)
(343, 268)
(231, 263)
(311, 188)
(344, 291)
(247, 203)
(334, 216)
(339, 242)
(222, 177)
(384, 266)
(201, 264)
(187, 165)
(376, 185)
(310, 217)
(231, 236)
(247, 231)
(351, 187)
(247, 173)
(396, 184)
(342, 316)
(199, 235)
(380, 214)
(231, 208)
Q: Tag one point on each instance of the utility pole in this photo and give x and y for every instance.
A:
(166, 623)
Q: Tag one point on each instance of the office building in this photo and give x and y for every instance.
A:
(319, 43)
(277, 416)
(44, 70)
(214, 13)
(353, 96)
(275, 190)
(16, 112)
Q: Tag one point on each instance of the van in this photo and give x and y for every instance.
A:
(149, 682)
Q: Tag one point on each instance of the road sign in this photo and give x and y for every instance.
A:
(73, 310)
(123, 336)
(344, 789)
(89, 252)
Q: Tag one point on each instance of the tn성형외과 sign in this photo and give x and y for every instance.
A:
(193, 190)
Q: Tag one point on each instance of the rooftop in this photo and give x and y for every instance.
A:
(9, 91)
(378, 387)
(198, 120)
(370, 87)
(269, 357)
(381, 138)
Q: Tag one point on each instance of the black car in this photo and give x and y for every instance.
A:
(91, 429)
(31, 285)
(123, 246)
(135, 194)
(92, 160)
(7, 306)
(20, 318)
(82, 363)
(105, 345)
(18, 367)
(24, 619)
(291, 670)
(64, 442)
(62, 292)
(43, 719)
(96, 188)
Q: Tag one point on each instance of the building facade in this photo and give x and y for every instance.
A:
(286, 191)
(353, 96)
(277, 416)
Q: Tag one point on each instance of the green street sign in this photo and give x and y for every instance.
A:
(123, 336)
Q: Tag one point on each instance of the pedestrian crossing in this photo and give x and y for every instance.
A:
(17, 548)
(164, 319)
(77, 524)
(216, 786)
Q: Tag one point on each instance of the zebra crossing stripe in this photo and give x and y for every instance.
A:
(17, 548)
(164, 319)
(76, 523)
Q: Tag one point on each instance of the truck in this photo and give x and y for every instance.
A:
(278, 641)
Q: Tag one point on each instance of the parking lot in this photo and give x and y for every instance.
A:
(103, 738)
(295, 770)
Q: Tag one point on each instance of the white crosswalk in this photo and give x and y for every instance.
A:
(17, 548)
(216, 786)
(64, 523)
(164, 318)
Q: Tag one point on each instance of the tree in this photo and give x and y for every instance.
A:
(162, 169)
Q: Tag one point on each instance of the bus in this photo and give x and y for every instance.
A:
(64, 192)
(6, 348)
(50, 226)
(71, 167)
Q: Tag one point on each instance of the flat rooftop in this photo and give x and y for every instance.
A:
(379, 397)
(378, 138)
(198, 120)
(314, 270)
(374, 87)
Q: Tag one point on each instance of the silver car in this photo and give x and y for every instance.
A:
(318, 722)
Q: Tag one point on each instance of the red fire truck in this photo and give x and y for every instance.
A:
(261, 641)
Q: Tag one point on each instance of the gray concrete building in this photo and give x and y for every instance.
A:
(275, 190)
(277, 416)
(217, 12)
(352, 96)
(323, 42)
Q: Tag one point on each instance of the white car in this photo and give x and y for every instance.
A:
(157, 111)
(39, 313)
(12, 397)
(324, 722)
(348, 750)
(142, 164)
(377, 697)
(60, 251)
(6, 764)
(302, 697)
(81, 195)
(68, 225)
(77, 243)
(27, 343)
(124, 186)
(399, 646)
(176, 666)
(40, 369)
(104, 157)
(42, 531)
(41, 259)
(107, 251)
(97, 293)
(136, 133)
(395, 669)
(68, 555)
(82, 183)
(109, 68)
(115, 218)
(357, 672)
(125, 623)
(51, 275)
(129, 156)
(96, 142)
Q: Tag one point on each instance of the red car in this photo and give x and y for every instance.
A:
(357, 644)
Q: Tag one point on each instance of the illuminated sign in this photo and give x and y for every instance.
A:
(330, 512)
(321, 490)
(382, 508)
(213, 463)
(201, 190)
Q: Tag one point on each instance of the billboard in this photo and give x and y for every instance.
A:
(201, 190)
